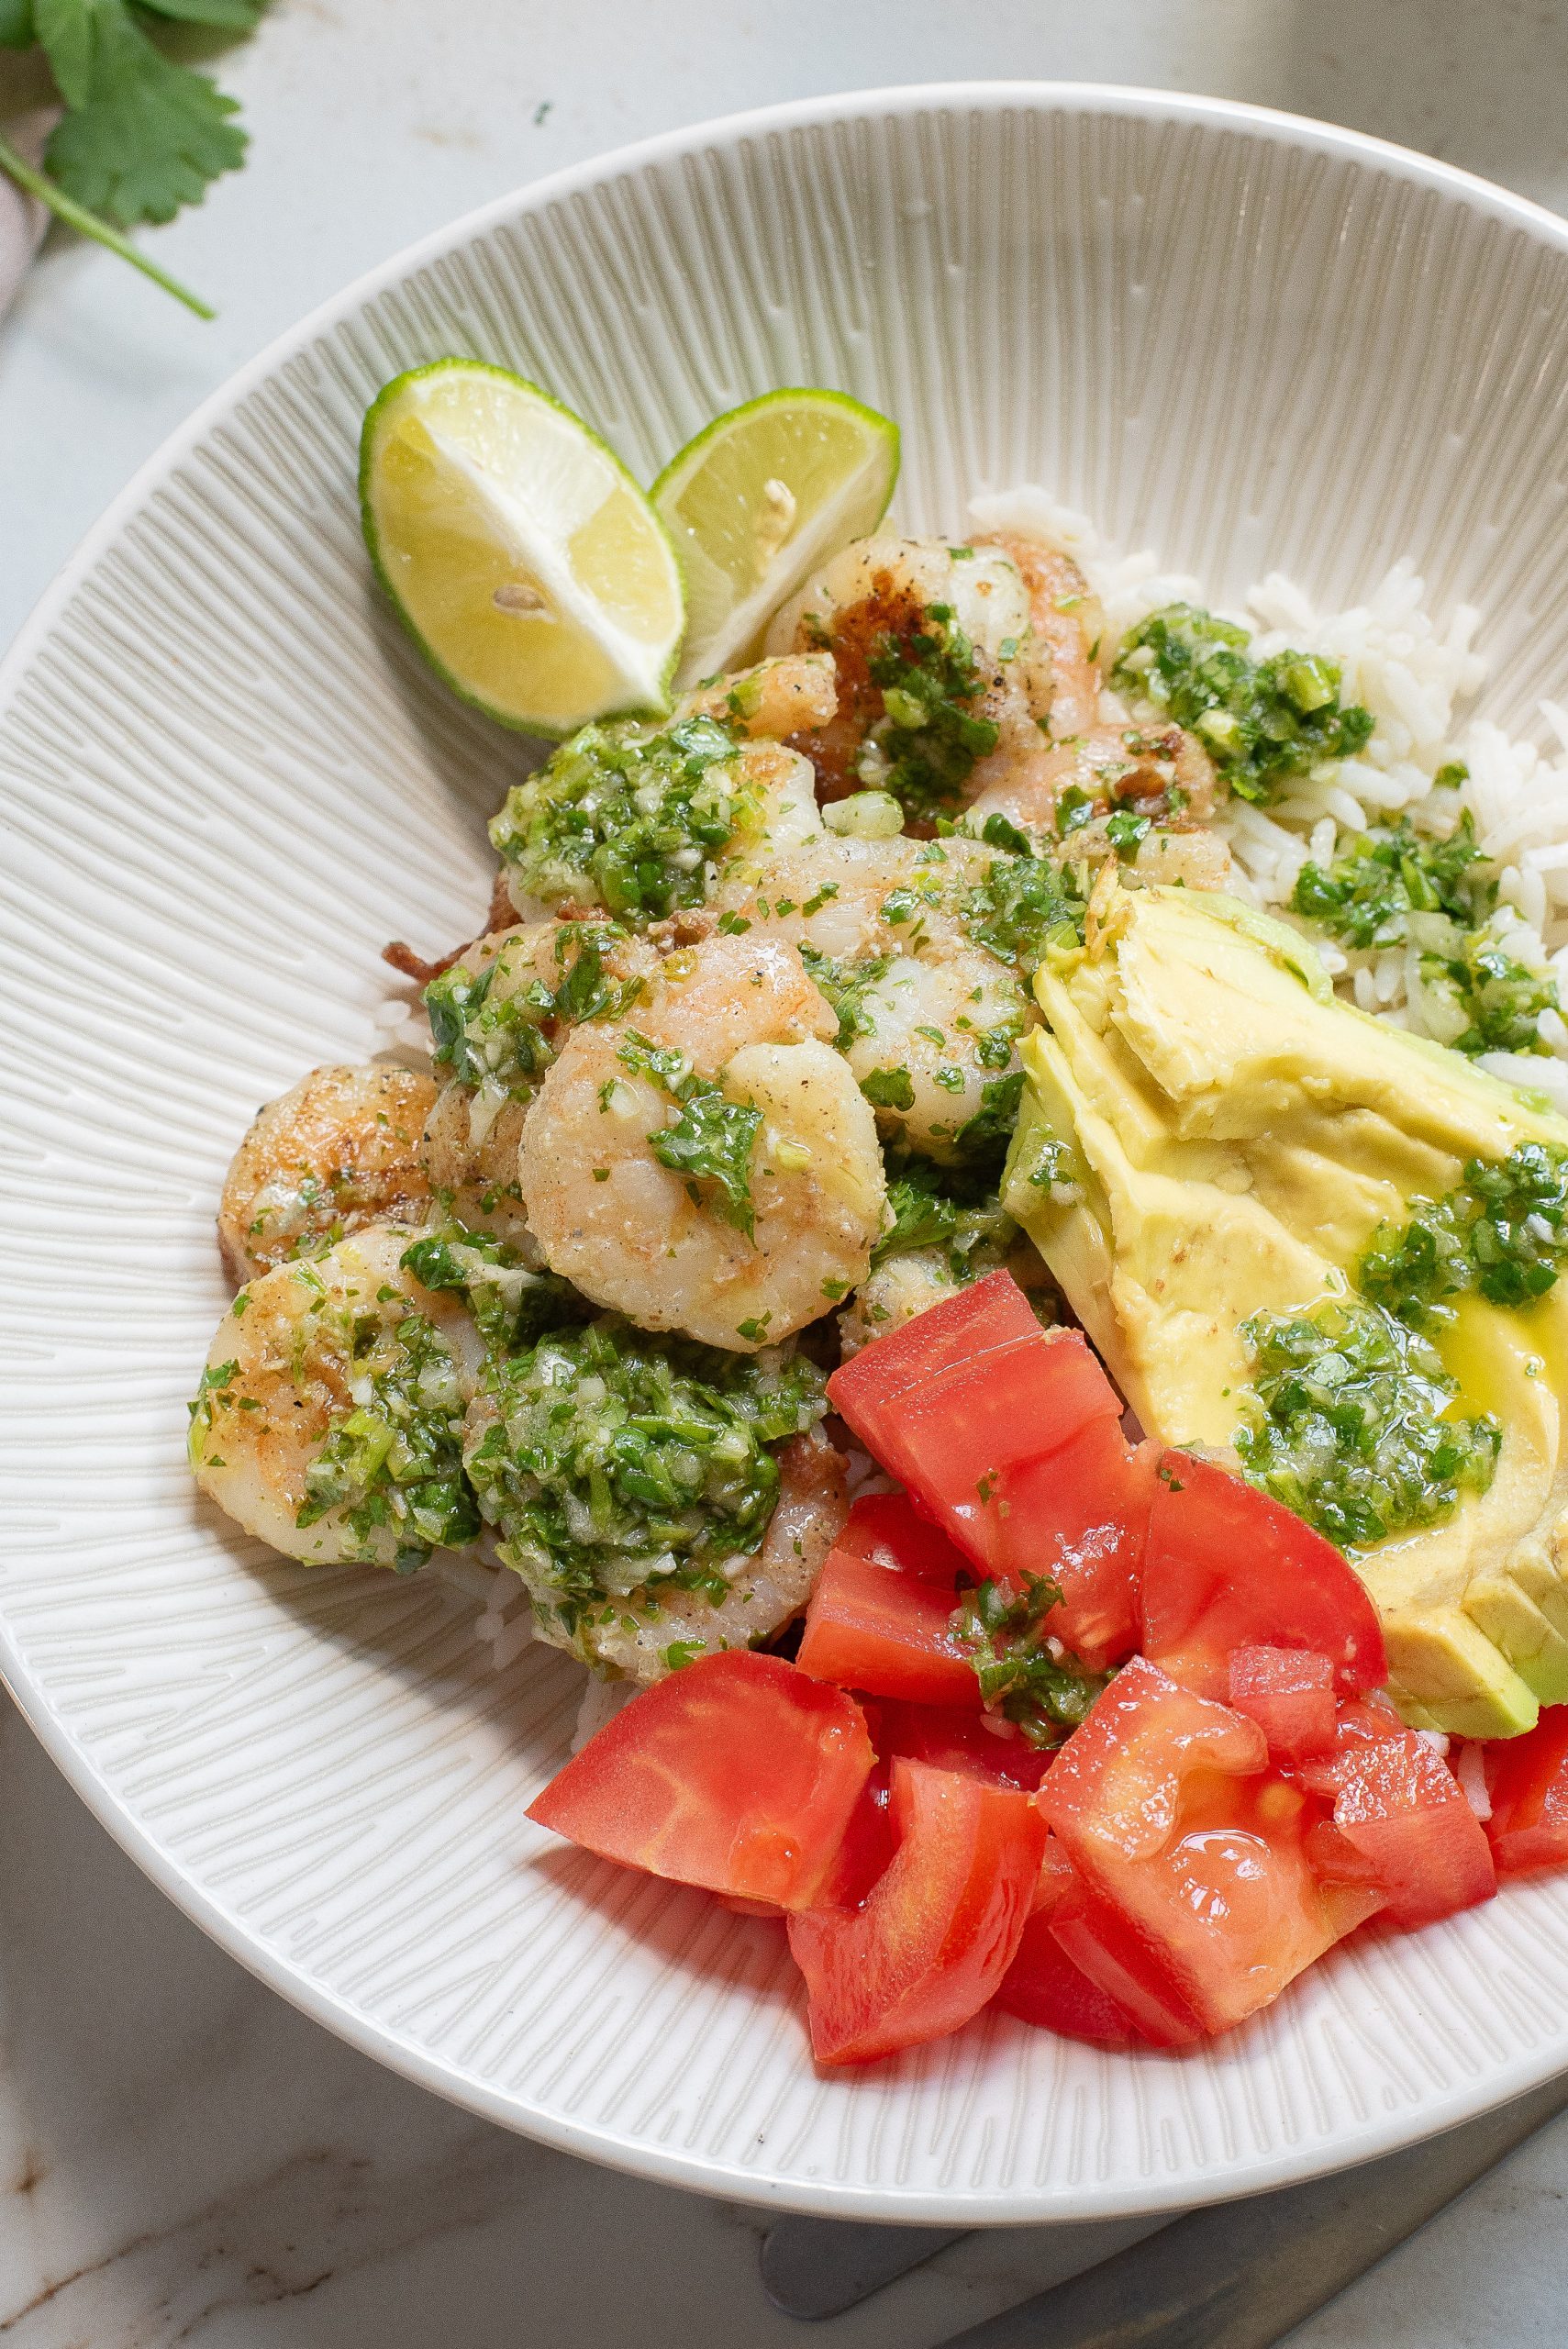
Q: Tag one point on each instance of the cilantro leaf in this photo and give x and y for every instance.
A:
(713, 1138)
(142, 135)
(68, 30)
(17, 29)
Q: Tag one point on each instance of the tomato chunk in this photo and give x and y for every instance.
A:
(880, 1617)
(866, 1848)
(1197, 1903)
(992, 1312)
(1227, 1568)
(1527, 1777)
(1401, 1825)
(1290, 1693)
(739, 1773)
(1009, 1436)
(938, 1930)
(949, 1739)
(1043, 1985)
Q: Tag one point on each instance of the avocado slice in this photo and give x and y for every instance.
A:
(1207, 1132)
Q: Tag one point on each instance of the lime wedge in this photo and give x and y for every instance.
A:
(524, 560)
(758, 501)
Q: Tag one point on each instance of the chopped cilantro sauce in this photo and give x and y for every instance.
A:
(395, 1464)
(1367, 896)
(1025, 904)
(710, 1141)
(924, 747)
(1501, 1234)
(492, 1027)
(616, 1460)
(1261, 721)
(507, 1302)
(627, 817)
(846, 984)
(1023, 1675)
(946, 1207)
(1392, 887)
(1501, 997)
(1344, 1422)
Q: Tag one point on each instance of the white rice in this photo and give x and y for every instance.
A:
(1416, 673)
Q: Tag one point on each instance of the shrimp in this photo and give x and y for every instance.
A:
(775, 699)
(328, 1420)
(498, 1015)
(339, 1150)
(897, 1292)
(946, 632)
(907, 1285)
(1068, 619)
(708, 1163)
(634, 819)
(1160, 773)
(765, 1591)
(928, 1018)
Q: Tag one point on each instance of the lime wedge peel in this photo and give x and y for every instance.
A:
(520, 554)
(758, 501)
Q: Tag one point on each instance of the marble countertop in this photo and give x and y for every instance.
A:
(184, 2158)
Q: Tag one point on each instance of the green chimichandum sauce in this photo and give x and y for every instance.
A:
(846, 984)
(617, 1461)
(1344, 1422)
(493, 1028)
(946, 1207)
(711, 1141)
(1393, 886)
(1367, 896)
(1502, 1233)
(1025, 905)
(1023, 1675)
(1501, 997)
(1261, 721)
(925, 746)
(627, 817)
(395, 1463)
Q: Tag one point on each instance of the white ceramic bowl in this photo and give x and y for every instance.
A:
(1249, 340)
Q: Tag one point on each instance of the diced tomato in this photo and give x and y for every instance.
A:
(1196, 1903)
(1008, 1435)
(1043, 1985)
(1401, 1825)
(1227, 1568)
(938, 1930)
(880, 1617)
(739, 1773)
(866, 1851)
(950, 1740)
(1057, 1877)
(992, 1312)
(1289, 1692)
(1527, 1777)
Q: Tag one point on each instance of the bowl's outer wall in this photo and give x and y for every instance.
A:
(1249, 343)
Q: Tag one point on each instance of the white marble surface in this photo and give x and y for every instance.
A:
(181, 2157)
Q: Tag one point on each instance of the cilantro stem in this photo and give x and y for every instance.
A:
(90, 223)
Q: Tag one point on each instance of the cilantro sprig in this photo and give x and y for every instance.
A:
(141, 136)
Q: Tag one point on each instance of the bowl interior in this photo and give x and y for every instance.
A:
(1249, 343)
